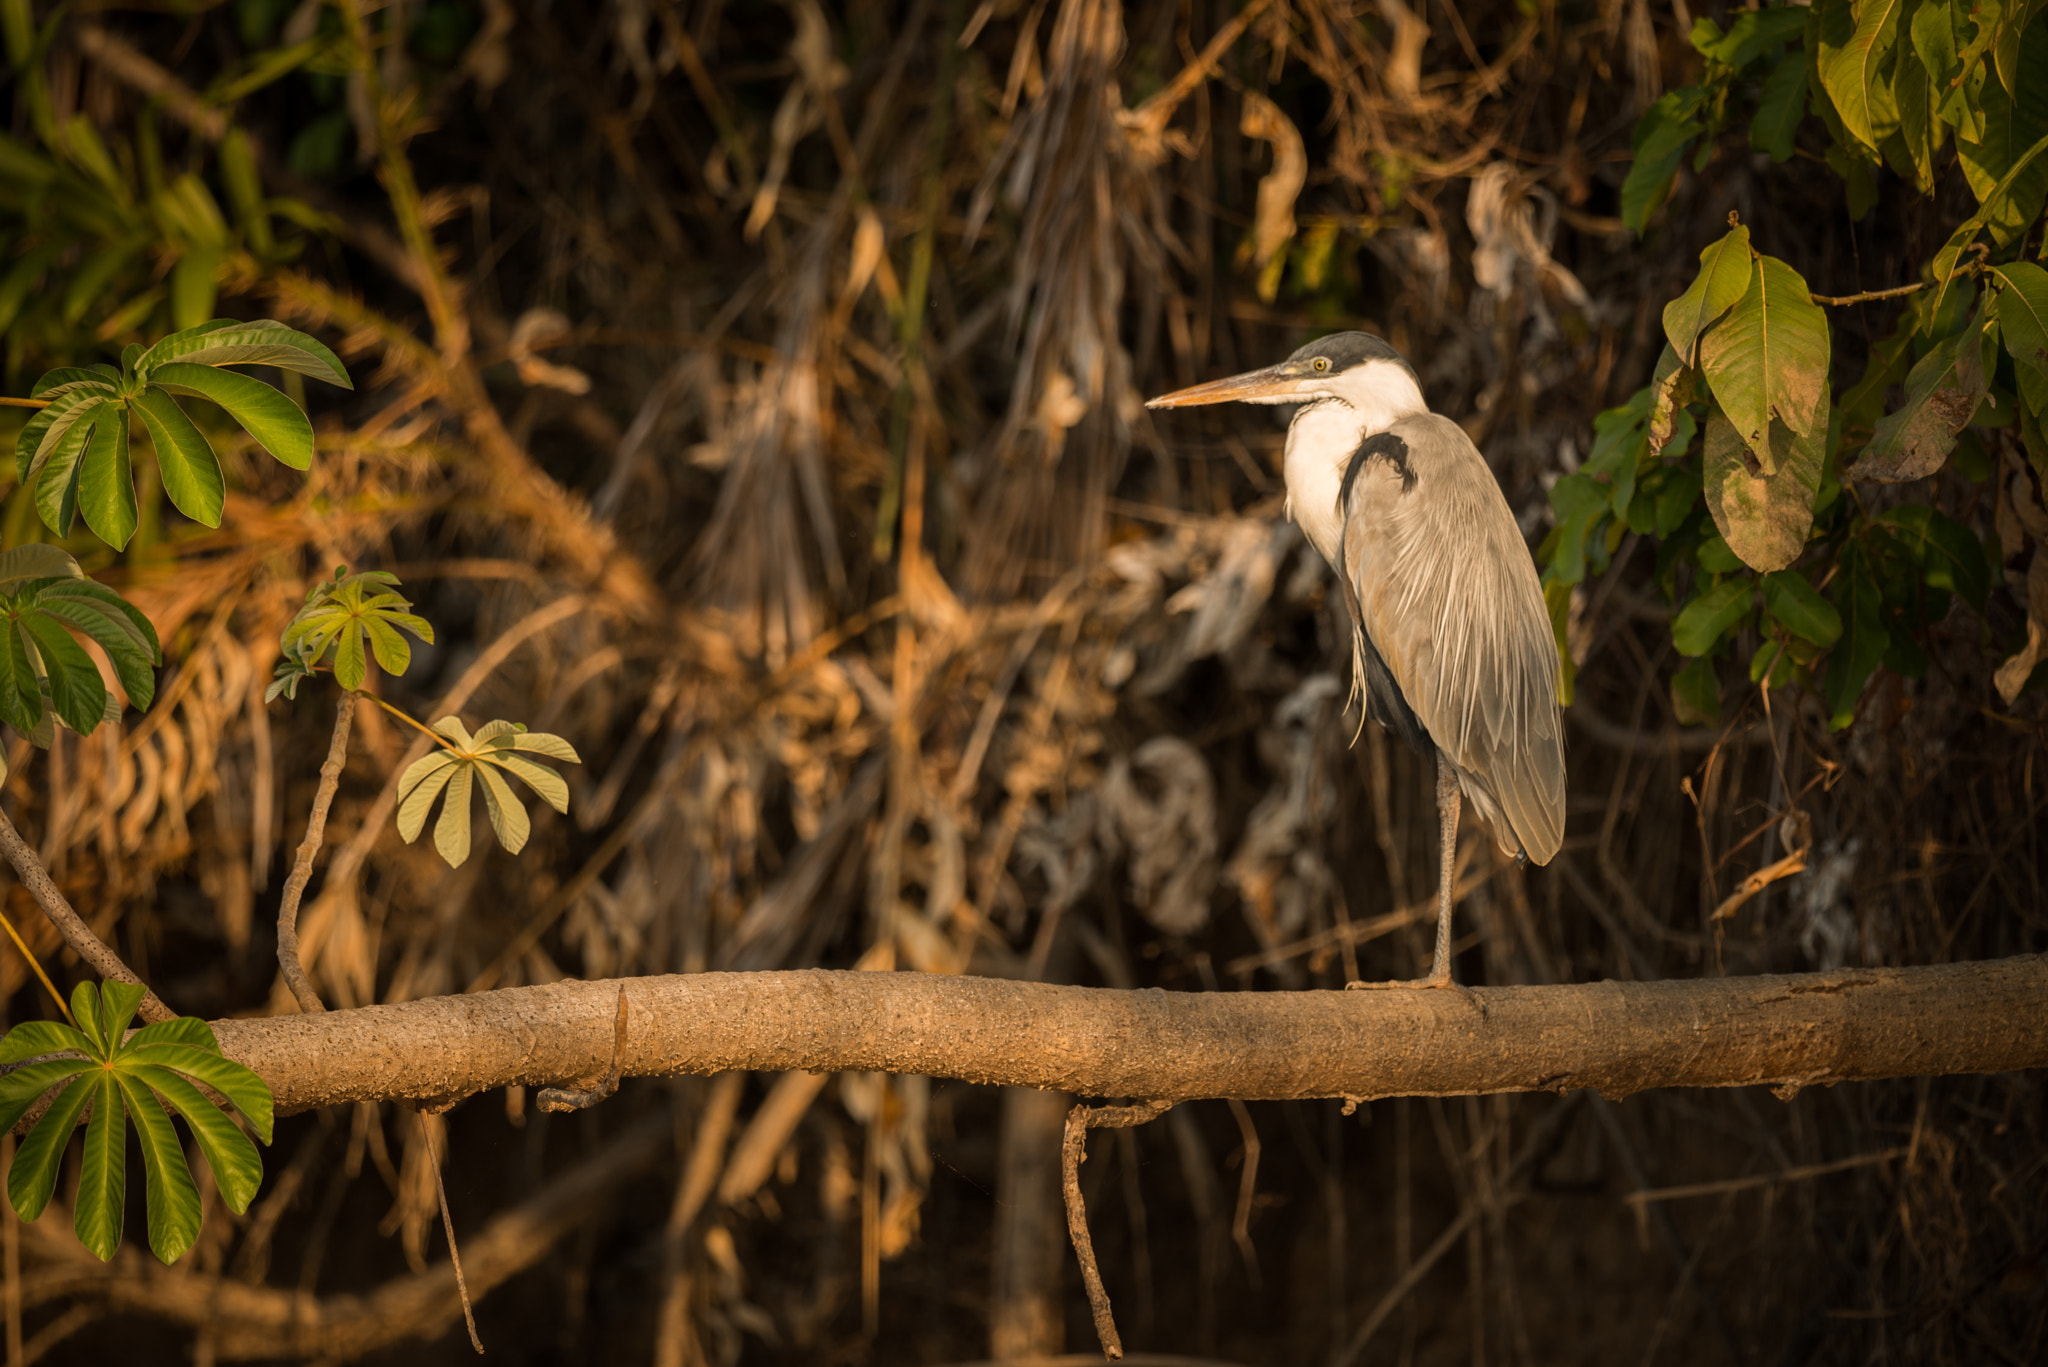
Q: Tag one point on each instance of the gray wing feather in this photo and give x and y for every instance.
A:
(1441, 580)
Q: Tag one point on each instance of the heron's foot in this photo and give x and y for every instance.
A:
(1434, 980)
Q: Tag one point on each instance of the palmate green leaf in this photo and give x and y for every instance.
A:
(1715, 611)
(122, 1079)
(1725, 271)
(452, 773)
(113, 623)
(40, 661)
(1943, 391)
(358, 616)
(1855, 36)
(279, 425)
(225, 341)
(1769, 359)
(185, 459)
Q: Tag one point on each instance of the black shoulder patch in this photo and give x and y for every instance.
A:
(1379, 446)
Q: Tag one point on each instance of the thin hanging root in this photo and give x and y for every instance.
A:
(1080, 1120)
(448, 1224)
(570, 1098)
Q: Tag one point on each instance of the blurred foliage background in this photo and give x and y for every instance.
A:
(751, 394)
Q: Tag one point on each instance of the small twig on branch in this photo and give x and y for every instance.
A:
(448, 1222)
(1868, 296)
(1073, 1153)
(1726, 1185)
(573, 1099)
(302, 870)
(70, 925)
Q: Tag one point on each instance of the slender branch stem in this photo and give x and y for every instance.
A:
(1073, 1153)
(416, 724)
(302, 870)
(8, 402)
(70, 925)
(1868, 296)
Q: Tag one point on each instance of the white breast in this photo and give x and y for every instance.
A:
(1320, 442)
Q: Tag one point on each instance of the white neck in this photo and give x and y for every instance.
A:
(1346, 410)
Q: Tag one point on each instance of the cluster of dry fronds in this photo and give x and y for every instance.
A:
(754, 398)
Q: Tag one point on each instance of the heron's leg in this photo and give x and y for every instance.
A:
(1448, 801)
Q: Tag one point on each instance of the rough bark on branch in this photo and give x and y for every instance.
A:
(1786, 1031)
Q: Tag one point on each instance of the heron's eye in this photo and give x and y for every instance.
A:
(1322, 363)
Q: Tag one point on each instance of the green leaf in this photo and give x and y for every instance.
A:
(1672, 387)
(190, 470)
(472, 762)
(1701, 623)
(1793, 603)
(338, 613)
(237, 1166)
(33, 1178)
(1696, 694)
(451, 832)
(1752, 34)
(76, 692)
(1769, 359)
(1943, 268)
(279, 425)
(2021, 309)
(1766, 517)
(227, 342)
(1854, 39)
(102, 1170)
(112, 622)
(2010, 195)
(172, 1198)
(1913, 148)
(106, 481)
(239, 1084)
(418, 786)
(1780, 108)
(57, 471)
(1863, 643)
(21, 1089)
(1943, 391)
(1947, 553)
(1662, 136)
(1722, 282)
(1933, 27)
(1579, 501)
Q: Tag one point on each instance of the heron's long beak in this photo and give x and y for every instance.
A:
(1274, 382)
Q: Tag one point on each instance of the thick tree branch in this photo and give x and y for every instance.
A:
(1785, 1031)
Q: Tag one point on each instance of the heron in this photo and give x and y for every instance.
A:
(1452, 647)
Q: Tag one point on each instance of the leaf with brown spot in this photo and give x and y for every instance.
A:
(1765, 517)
